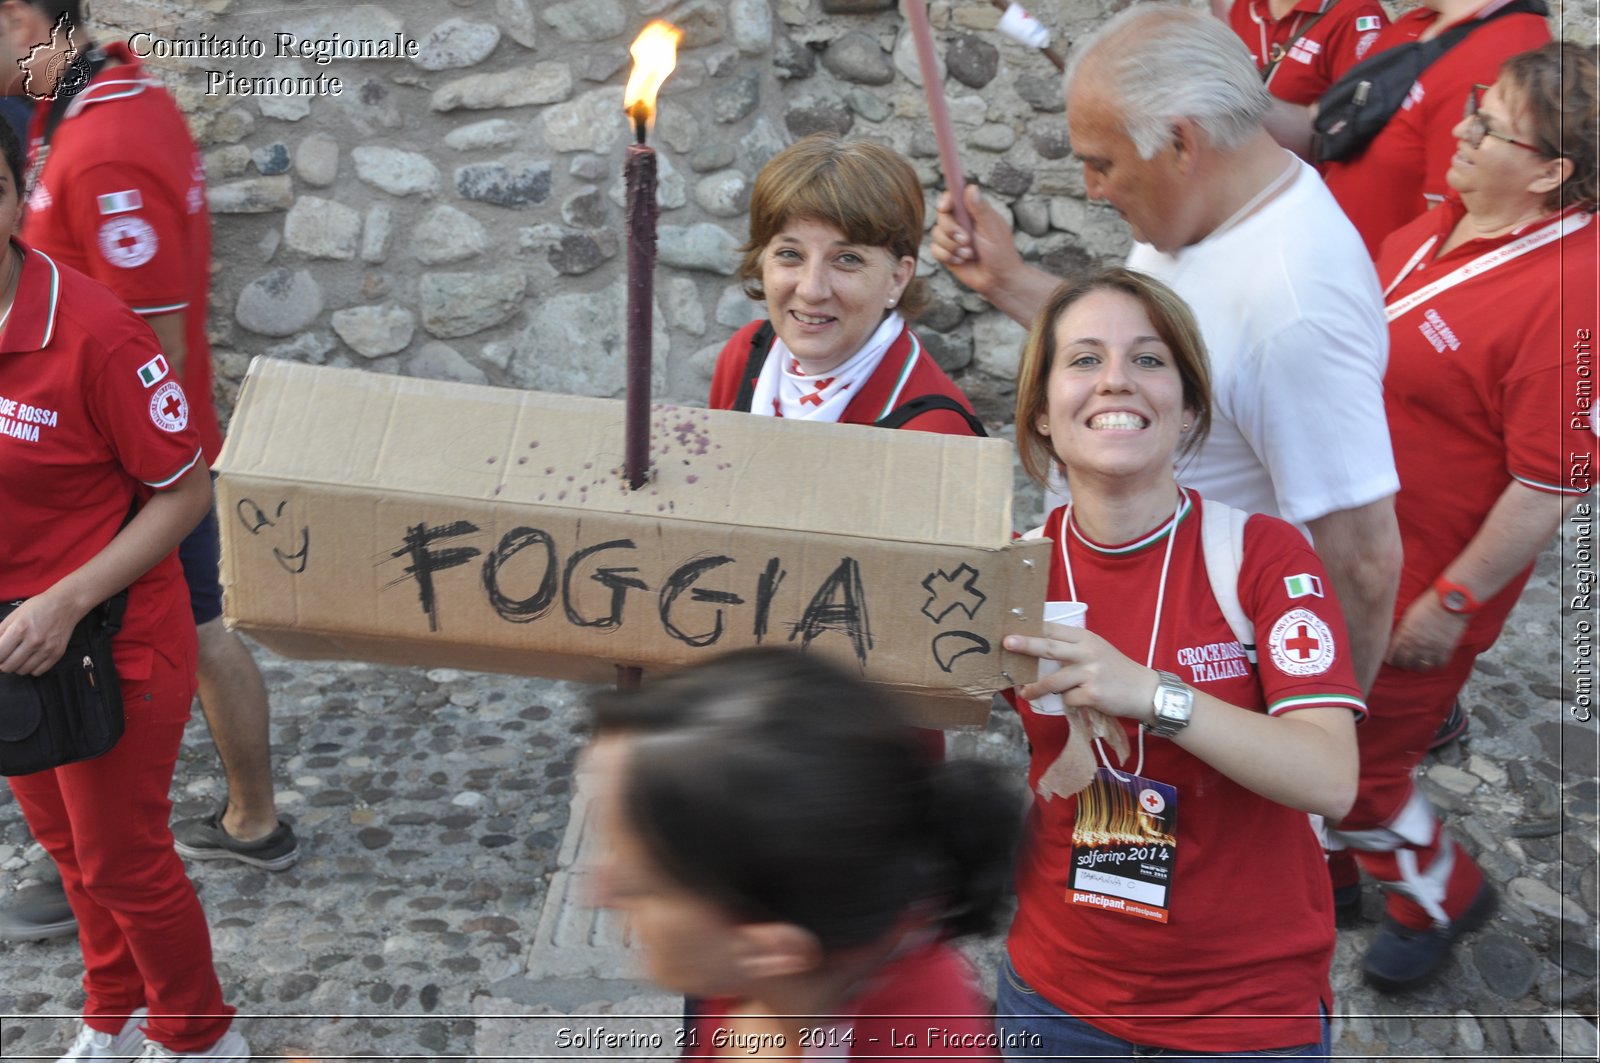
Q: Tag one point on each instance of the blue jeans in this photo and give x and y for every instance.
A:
(1031, 1027)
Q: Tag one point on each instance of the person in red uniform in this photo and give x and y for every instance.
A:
(118, 192)
(1402, 171)
(93, 425)
(1492, 456)
(1303, 46)
(1172, 892)
(785, 852)
(834, 230)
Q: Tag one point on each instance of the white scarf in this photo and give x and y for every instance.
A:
(784, 389)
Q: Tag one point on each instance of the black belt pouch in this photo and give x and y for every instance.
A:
(74, 711)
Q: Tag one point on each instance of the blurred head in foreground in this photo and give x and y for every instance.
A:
(771, 819)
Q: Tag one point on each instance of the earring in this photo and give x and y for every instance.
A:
(1185, 427)
(1044, 428)
(891, 303)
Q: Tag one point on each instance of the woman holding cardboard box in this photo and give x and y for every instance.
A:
(1172, 893)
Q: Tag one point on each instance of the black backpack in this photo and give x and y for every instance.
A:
(761, 343)
(1361, 103)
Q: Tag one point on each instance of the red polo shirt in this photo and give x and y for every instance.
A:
(1316, 51)
(1483, 386)
(122, 198)
(1402, 170)
(87, 420)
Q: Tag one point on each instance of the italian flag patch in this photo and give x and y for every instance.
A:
(1368, 22)
(1302, 586)
(152, 372)
(120, 202)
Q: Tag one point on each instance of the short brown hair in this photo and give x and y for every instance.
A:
(865, 190)
(1556, 83)
(1174, 323)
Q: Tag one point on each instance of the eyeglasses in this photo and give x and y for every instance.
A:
(1477, 128)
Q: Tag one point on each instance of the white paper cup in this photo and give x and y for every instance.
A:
(1068, 614)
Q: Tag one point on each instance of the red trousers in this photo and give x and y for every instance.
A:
(105, 822)
(1392, 830)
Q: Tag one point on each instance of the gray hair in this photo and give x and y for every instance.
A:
(1161, 62)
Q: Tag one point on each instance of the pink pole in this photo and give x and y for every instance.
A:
(938, 110)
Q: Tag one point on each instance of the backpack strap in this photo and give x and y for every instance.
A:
(1272, 65)
(760, 344)
(1222, 541)
(913, 408)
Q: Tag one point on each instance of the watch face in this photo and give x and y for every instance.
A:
(1455, 601)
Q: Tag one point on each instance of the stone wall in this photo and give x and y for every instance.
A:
(458, 214)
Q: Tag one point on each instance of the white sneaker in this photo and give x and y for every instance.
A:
(230, 1048)
(92, 1044)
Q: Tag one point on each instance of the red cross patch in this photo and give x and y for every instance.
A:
(1301, 644)
(128, 242)
(169, 407)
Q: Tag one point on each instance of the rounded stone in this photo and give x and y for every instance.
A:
(517, 19)
(857, 57)
(317, 160)
(586, 20)
(374, 837)
(1042, 93)
(280, 302)
(737, 98)
(972, 60)
(1009, 180)
(447, 234)
(809, 115)
(271, 159)
(586, 208)
(321, 228)
(703, 247)
(750, 25)
(437, 361)
(491, 133)
(539, 84)
(400, 173)
(510, 182)
(725, 194)
(374, 331)
(868, 104)
(1506, 964)
(454, 43)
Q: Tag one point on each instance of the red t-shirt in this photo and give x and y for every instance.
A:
(122, 197)
(1242, 962)
(1481, 385)
(934, 985)
(1402, 170)
(906, 372)
(89, 418)
(1313, 58)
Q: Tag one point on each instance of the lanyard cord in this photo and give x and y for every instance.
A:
(1155, 623)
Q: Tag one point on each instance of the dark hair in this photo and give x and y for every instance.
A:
(1556, 86)
(1174, 323)
(783, 789)
(865, 190)
(54, 9)
(11, 148)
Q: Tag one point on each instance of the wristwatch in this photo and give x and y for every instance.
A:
(1455, 598)
(1174, 702)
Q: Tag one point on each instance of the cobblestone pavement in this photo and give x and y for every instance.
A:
(431, 806)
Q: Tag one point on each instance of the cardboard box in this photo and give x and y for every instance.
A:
(408, 521)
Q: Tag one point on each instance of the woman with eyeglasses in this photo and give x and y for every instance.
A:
(1491, 300)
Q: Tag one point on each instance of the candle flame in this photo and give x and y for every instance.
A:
(655, 53)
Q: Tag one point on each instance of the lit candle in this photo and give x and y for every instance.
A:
(654, 53)
(938, 111)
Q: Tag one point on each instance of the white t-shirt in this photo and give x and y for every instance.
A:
(1291, 312)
